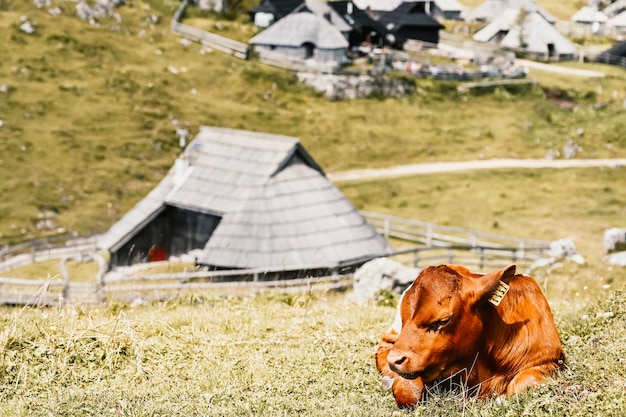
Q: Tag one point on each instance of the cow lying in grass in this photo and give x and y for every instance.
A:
(452, 323)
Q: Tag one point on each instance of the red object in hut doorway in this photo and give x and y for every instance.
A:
(157, 254)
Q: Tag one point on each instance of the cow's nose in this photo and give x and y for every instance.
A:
(395, 359)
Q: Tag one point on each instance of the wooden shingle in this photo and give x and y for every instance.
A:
(273, 204)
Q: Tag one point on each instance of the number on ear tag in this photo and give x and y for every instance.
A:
(499, 293)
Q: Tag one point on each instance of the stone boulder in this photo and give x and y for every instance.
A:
(381, 274)
(560, 250)
(614, 240)
(344, 87)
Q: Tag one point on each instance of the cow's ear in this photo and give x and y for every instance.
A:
(481, 288)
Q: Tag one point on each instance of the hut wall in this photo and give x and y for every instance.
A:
(285, 50)
(330, 55)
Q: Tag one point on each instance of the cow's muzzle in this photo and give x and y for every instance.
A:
(399, 363)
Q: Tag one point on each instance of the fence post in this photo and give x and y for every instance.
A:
(450, 255)
(416, 256)
(481, 259)
(387, 228)
(66, 279)
(102, 269)
(429, 235)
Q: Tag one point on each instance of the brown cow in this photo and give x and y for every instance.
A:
(450, 323)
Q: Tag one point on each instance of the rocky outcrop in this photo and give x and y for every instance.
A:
(614, 240)
(560, 250)
(381, 274)
(344, 87)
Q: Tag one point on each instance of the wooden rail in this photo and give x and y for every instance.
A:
(611, 60)
(435, 235)
(127, 287)
(479, 259)
(164, 287)
(17, 291)
(494, 83)
(221, 43)
(430, 244)
(41, 250)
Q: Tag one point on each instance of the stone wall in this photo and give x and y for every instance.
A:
(343, 87)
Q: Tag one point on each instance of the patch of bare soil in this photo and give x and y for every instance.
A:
(559, 98)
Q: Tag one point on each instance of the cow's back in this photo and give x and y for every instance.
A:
(520, 333)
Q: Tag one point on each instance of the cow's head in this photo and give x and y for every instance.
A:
(441, 325)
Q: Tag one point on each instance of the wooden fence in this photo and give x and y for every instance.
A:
(428, 243)
(435, 235)
(130, 287)
(221, 43)
(465, 87)
(16, 291)
(126, 285)
(41, 250)
(611, 60)
(476, 258)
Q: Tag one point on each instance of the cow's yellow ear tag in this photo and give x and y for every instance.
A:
(499, 293)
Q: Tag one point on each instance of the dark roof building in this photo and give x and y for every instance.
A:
(616, 55)
(363, 28)
(303, 36)
(409, 21)
(241, 199)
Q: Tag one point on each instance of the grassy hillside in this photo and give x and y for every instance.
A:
(542, 204)
(90, 114)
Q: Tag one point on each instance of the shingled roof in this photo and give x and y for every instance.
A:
(276, 206)
(532, 34)
(408, 14)
(297, 29)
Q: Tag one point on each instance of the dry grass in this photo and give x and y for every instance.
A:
(306, 355)
(89, 124)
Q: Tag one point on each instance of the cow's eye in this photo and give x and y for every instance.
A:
(438, 325)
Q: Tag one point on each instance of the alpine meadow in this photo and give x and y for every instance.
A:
(88, 126)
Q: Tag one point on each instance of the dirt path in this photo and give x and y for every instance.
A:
(440, 167)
